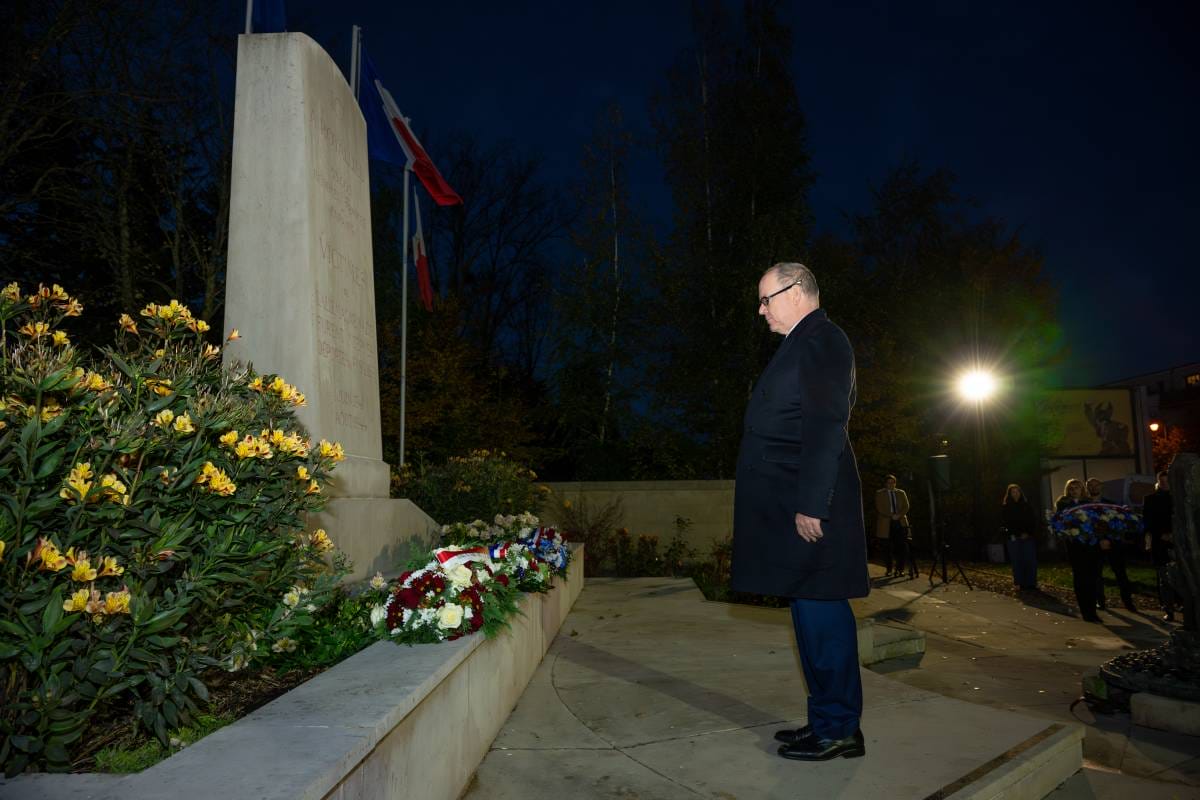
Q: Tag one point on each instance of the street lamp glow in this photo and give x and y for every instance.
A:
(1154, 426)
(977, 385)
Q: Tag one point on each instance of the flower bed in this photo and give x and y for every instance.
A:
(152, 507)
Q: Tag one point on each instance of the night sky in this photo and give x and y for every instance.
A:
(1071, 123)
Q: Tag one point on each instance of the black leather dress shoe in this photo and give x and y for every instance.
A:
(817, 749)
(793, 736)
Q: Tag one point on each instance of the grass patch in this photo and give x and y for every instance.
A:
(132, 757)
(1141, 578)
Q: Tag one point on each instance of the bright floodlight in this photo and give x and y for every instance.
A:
(1154, 426)
(977, 385)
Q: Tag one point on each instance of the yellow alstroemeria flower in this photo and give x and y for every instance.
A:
(55, 293)
(109, 567)
(117, 602)
(78, 482)
(151, 310)
(2, 546)
(299, 400)
(95, 605)
(183, 424)
(11, 293)
(174, 309)
(234, 335)
(83, 571)
(228, 438)
(256, 384)
(164, 418)
(128, 325)
(302, 473)
(294, 445)
(95, 382)
(198, 326)
(165, 477)
(78, 601)
(332, 450)
(313, 487)
(50, 409)
(211, 351)
(72, 308)
(34, 330)
(52, 559)
(320, 541)
(216, 480)
(60, 339)
(114, 488)
(160, 386)
(246, 448)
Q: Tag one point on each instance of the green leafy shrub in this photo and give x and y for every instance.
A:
(466, 488)
(151, 523)
(594, 526)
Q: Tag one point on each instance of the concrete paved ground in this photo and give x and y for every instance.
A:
(1029, 656)
(651, 692)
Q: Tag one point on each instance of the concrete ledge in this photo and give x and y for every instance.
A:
(1165, 713)
(390, 722)
(1029, 771)
(880, 642)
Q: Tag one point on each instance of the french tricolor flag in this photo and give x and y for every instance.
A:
(421, 257)
(389, 137)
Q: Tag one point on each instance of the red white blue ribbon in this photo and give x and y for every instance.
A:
(451, 557)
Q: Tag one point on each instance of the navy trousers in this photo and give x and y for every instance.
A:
(828, 639)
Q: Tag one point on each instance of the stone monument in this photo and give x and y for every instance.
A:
(300, 280)
(1161, 686)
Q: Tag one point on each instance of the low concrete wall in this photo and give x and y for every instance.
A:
(650, 507)
(392, 722)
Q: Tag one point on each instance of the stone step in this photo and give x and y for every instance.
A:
(1031, 770)
(881, 641)
(1093, 784)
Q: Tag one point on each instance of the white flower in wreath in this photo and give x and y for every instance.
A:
(378, 615)
(406, 616)
(460, 576)
(450, 616)
(378, 582)
(468, 612)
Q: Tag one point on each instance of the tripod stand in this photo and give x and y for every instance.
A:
(942, 553)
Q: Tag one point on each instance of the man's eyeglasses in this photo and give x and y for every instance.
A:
(766, 301)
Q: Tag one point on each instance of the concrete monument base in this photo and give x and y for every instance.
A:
(378, 534)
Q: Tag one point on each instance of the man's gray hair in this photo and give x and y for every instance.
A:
(794, 272)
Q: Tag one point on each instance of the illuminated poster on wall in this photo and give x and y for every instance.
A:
(1091, 422)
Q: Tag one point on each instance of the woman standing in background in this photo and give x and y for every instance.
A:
(1020, 523)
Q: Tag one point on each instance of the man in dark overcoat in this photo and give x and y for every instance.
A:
(798, 528)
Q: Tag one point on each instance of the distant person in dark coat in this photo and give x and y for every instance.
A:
(798, 529)
(1020, 522)
(1158, 514)
(1112, 551)
(1083, 556)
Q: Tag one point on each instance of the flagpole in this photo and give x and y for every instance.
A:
(404, 316)
(249, 16)
(355, 58)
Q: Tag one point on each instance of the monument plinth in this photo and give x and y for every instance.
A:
(300, 280)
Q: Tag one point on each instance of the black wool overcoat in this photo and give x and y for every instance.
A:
(796, 458)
